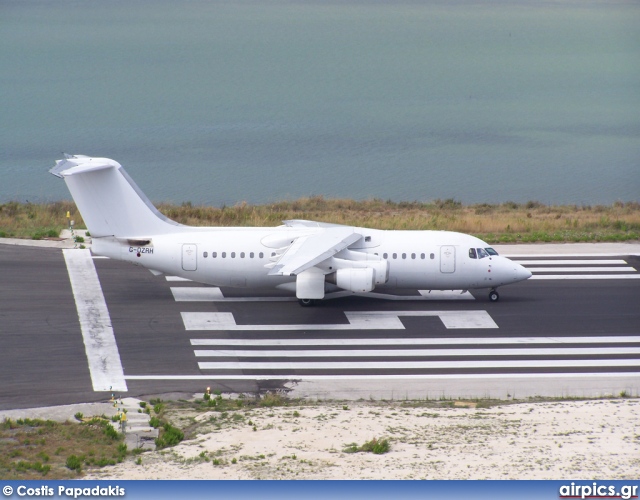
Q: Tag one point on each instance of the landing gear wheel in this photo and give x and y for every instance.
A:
(494, 296)
(307, 302)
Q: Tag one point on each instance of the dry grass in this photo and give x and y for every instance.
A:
(501, 223)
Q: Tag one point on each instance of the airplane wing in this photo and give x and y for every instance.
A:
(307, 251)
(309, 223)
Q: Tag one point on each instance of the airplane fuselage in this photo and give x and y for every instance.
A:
(236, 257)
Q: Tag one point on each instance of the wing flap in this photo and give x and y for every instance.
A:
(307, 251)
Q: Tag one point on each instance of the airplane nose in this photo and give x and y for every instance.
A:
(521, 273)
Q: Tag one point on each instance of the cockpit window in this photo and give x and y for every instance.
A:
(482, 253)
(491, 251)
(472, 253)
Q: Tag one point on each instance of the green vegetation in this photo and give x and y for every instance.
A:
(37, 449)
(507, 222)
(375, 446)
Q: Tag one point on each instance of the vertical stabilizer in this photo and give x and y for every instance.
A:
(110, 202)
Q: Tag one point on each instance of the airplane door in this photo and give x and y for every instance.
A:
(189, 257)
(447, 259)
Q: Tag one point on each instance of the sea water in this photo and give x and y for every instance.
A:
(219, 102)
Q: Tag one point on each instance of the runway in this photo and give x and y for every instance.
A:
(573, 329)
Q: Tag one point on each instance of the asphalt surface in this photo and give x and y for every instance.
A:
(43, 360)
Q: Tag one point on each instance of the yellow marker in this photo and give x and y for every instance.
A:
(68, 214)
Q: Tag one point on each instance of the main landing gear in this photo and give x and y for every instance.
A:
(494, 296)
(307, 302)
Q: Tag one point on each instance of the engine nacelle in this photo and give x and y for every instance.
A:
(381, 271)
(354, 280)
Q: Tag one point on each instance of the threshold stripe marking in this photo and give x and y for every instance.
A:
(373, 320)
(464, 376)
(436, 353)
(100, 345)
(585, 277)
(424, 365)
(417, 341)
(568, 262)
(581, 269)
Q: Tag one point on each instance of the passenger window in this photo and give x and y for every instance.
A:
(404, 255)
(214, 255)
(242, 255)
(472, 253)
(385, 255)
(432, 256)
(413, 255)
(422, 256)
(205, 254)
(251, 255)
(261, 255)
(395, 255)
(482, 254)
(233, 255)
(273, 254)
(224, 255)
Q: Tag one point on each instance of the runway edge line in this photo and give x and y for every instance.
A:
(105, 366)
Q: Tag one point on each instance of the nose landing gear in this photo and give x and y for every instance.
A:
(494, 296)
(307, 302)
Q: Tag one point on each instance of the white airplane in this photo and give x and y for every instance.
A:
(305, 257)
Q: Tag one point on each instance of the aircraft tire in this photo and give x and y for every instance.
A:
(307, 302)
(494, 296)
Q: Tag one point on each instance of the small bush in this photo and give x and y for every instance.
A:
(375, 446)
(378, 447)
(111, 433)
(170, 437)
(78, 416)
(271, 399)
(74, 463)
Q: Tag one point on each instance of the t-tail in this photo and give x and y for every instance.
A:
(110, 202)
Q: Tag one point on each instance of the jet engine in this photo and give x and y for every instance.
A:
(354, 280)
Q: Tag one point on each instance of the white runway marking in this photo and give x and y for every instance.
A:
(569, 262)
(419, 365)
(585, 276)
(583, 266)
(417, 341)
(176, 278)
(451, 376)
(374, 320)
(580, 269)
(436, 353)
(197, 294)
(105, 366)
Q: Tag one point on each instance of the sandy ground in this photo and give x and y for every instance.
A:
(585, 439)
